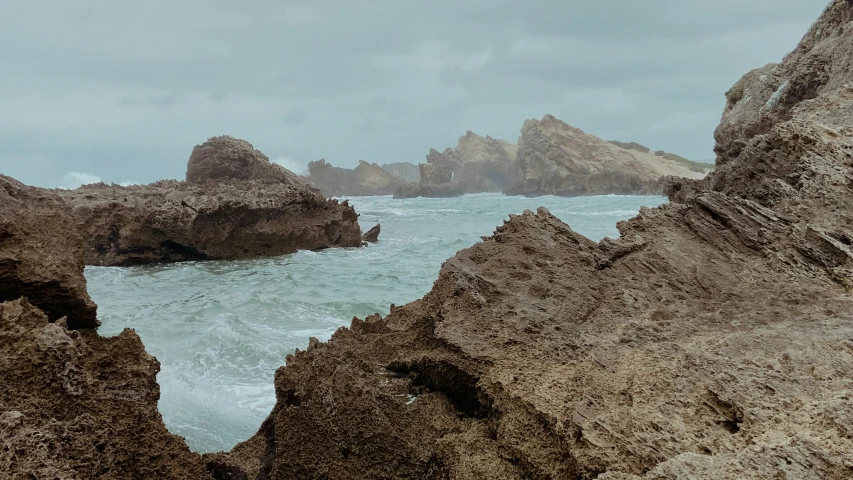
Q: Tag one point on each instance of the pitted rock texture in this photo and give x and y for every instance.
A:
(555, 158)
(77, 405)
(365, 179)
(711, 341)
(41, 254)
(229, 158)
(170, 221)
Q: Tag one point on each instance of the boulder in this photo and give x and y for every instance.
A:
(229, 158)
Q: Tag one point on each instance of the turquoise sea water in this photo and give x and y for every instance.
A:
(221, 329)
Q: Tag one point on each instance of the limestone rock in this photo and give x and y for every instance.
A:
(555, 158)
(41, 254)
(711, 341)
(74, 404)
(229, 158)
(435, 174)
(365, 179)
(436, 182)
(171, 221)
(484, 164)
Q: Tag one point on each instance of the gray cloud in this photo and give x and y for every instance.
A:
(125, 91)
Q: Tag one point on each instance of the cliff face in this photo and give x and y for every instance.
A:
(405, 171)
(365, 179)
(711, 341)
(555, 158)
(484, 164)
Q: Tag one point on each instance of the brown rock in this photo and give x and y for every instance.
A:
(74, 404)
(41, 255)
(372, 235)
(555, 158)
(365, 179)
(171, 221)
(711, 341)
(229, 158)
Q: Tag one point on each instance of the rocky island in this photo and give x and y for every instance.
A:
(365, 179)
(711, 341)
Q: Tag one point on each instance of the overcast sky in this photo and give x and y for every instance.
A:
(122, 91)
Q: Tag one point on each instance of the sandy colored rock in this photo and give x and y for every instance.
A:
(41, 255)
(555, 158)
(485, 164)
(711, 341)
(432, 173)
(229, 158)
(408, 172)
(365, 179)
(171, 221)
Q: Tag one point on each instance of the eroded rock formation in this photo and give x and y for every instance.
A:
(72, 403)
(229, 158)
(436, 181)
(555, 158)
(484, 164)
(711, 341)
(408, 172)
(698, 167)
(170, 221)
(235, 204)
(372, 235)
(41, 254)
(365, 179)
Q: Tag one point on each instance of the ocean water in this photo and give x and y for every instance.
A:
(221, 329)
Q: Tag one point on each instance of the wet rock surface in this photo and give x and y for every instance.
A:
(711, 341)
(372, 235)
(555, 158)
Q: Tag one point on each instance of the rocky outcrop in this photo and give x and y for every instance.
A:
(484, 164)
(74, 404)
(365, 179)
(555, 158)
(698, 167)
(41, 255)
(435, 174)
(229, 158)
(711, 341)
(408, 172)
(372, 235)
(170, 221)
(235, 204)
(436, 182)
